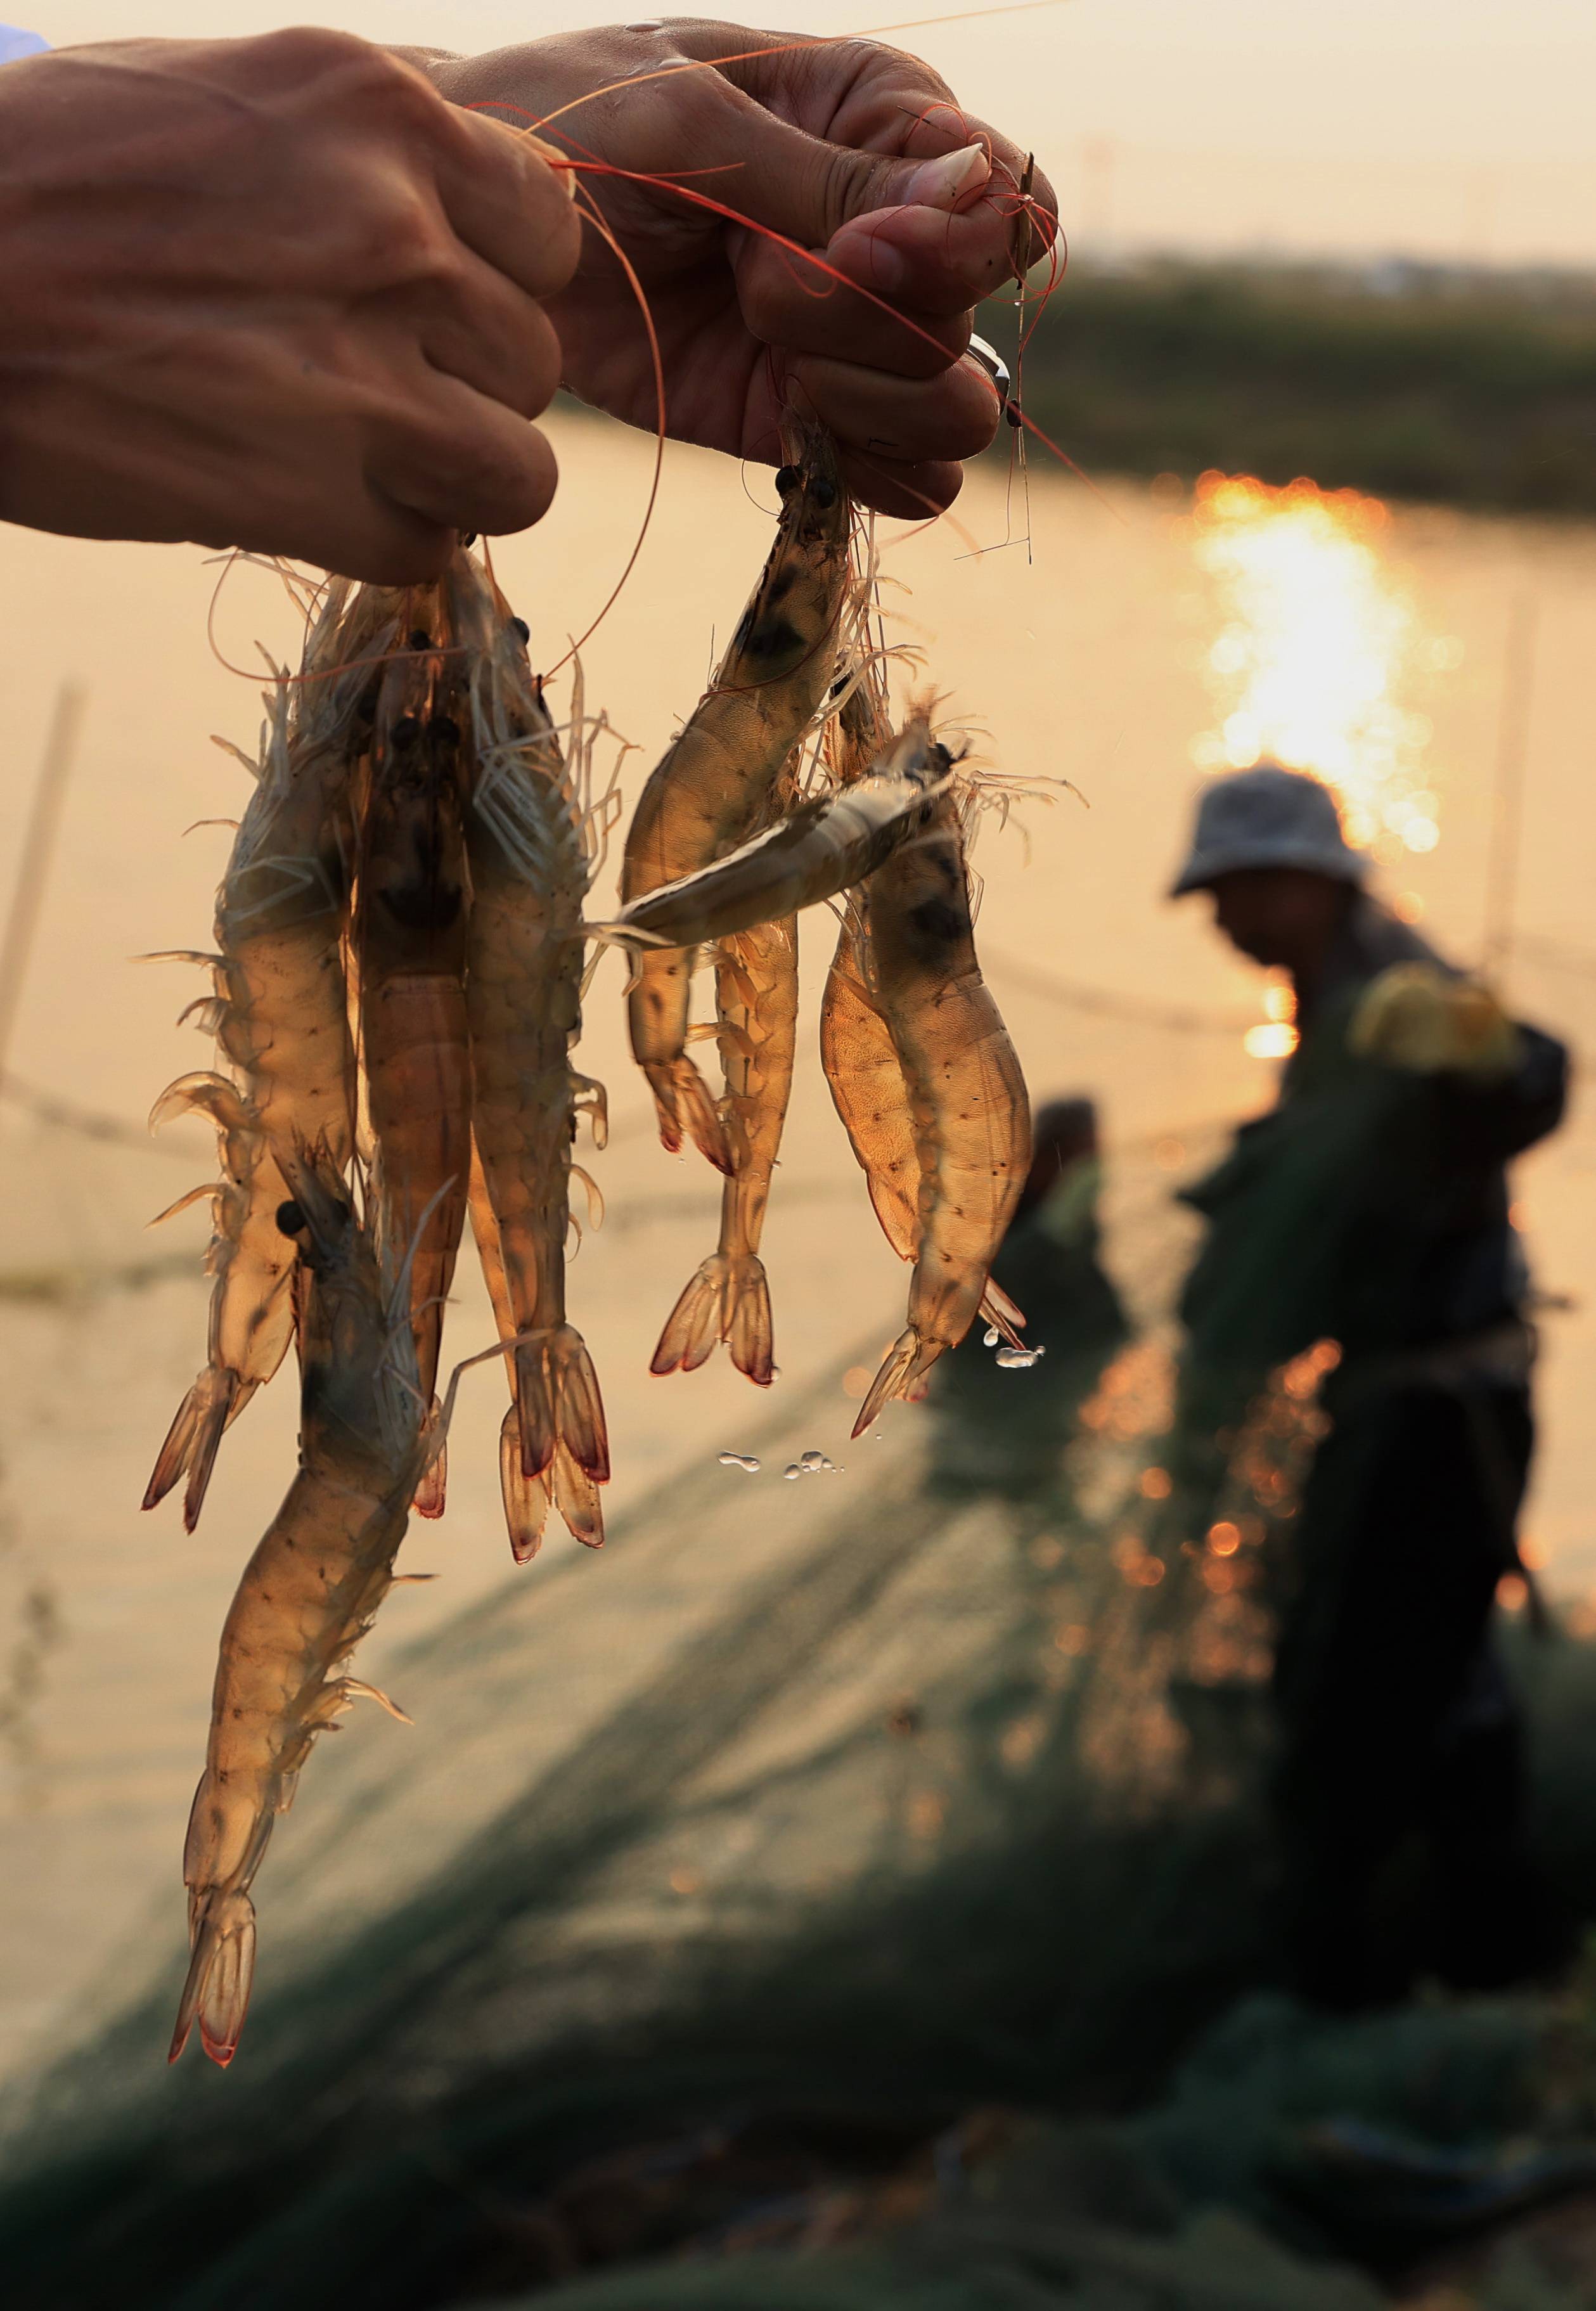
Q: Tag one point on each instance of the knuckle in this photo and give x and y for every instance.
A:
(309, 51)
(408, 242)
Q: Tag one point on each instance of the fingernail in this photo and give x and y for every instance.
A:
(944, 182)
(889, 267)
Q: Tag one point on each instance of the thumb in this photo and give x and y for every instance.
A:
(808, 189)
(920, 232)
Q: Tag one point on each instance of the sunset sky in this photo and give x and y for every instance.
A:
(1449, 128)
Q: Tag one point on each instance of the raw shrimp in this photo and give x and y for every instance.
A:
(907, 964)
(714, 783)
(310, 1591)
(280, 1013)
(816, 849)
(729, 1299)
(409, 939)
(529, 870)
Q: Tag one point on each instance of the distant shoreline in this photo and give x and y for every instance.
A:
(1477, 390)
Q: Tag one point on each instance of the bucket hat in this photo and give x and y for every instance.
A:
(1268, 816)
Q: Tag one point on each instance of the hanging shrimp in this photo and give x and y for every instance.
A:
(281, 1016)
(815, 850)
(529, 870)
(714, 783)
(409, 936)
(906, 964)
(311, 1588)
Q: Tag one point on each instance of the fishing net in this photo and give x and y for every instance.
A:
(749, 1885)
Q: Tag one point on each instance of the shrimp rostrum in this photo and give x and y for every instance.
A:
(717, 782)
(312, 1587)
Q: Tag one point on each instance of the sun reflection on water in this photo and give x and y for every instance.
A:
(1317, 652)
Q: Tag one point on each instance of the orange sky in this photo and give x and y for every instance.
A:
(1439, 127)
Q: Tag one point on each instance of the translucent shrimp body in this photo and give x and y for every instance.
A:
(818, 848)
(308, 1594)
(410, 939)
(529, 871)
(715, 782)
(729, 1299)
(280, 1013)
(910, 961)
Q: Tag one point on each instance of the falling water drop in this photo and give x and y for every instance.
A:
(989, 1339)
(1019, 1359)
(744, 1461)
(791, 1470)
(812, 1462)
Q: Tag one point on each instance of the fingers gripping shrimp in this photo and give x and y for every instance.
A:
(409, 936)
(310, 1591)
(281, 1018)
(529, 868)
(966, 1098)
(729, 1299)
(715, 780)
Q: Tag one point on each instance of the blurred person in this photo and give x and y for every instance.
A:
(1004, 1431)
(304, 295)
(1370, 1208)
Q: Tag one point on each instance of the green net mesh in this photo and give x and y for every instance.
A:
(707, 1951)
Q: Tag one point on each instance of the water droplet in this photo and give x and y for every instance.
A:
(744, 1461)
(791, 1470)
(1019, 1359)
(989, 1339)
(812, 1462)
(831, 1465)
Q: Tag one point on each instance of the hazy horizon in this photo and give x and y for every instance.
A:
(1458, 133)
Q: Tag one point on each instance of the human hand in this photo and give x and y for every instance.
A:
(843, 146)
(274, 293)
(1416, 1017)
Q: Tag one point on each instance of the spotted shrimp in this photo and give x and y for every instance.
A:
(929, 1089)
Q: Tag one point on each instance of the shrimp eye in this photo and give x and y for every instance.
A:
(521, 627)
(823, 492)
(405, 730)
(420, 640)
(291, 1218)
(788, 480)
(446, 728)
